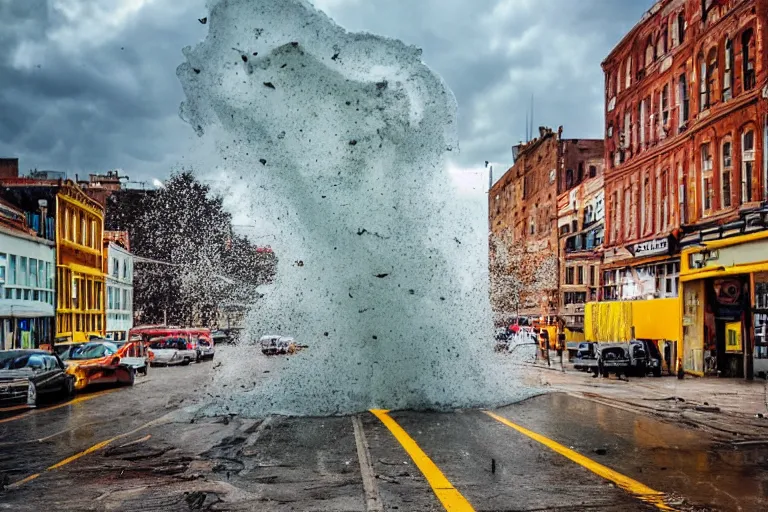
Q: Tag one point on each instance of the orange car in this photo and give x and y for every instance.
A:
(100, 362)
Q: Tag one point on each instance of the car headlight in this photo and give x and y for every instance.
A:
(32, 394)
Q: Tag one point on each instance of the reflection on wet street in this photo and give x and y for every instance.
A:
(141, 448)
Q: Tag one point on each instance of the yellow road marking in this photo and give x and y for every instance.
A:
(74, 401)
(13, 408)
(96, 447)
(448, 495)
(637, 489)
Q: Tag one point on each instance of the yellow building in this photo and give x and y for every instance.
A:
(76, 221)
(79, 277)
(725, 305)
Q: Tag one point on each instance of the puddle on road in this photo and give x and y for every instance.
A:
(342, 143)
(661, 455)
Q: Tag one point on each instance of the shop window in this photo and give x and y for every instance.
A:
(747, 165)
(725, 175)
(706, 178)
(728, 71)
(748, 59)
(761, 316)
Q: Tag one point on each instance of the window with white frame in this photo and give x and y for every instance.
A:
(747, 165)
(628, 73)
(728, 71)
(706, 178)
(725, 174)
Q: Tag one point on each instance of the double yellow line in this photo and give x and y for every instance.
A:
(454, 501)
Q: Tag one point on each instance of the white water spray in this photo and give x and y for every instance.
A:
(341, 140)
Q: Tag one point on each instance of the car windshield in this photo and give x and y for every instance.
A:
(15, 360)
(92, 351)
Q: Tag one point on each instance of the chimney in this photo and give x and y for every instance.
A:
(9, 168)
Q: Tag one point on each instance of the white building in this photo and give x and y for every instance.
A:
(27, 287)
(119, 290)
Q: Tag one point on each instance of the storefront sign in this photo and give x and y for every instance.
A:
(650, 248)
(733, 337)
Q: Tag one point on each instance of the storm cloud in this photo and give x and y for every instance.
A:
(90, 85)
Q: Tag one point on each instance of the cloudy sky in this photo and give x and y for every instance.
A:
(90, 85)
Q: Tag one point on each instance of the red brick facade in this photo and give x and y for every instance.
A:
(685, 124)
(523, 213)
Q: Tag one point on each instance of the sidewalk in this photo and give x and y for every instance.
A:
(733, 410)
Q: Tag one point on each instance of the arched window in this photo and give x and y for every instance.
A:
(661, 44)
(711, 74)
(747, 164)
(726, 167)
(649, 52)
(628, 73)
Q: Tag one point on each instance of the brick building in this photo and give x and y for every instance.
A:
(580, 223)
(523, 217)
(685, 150)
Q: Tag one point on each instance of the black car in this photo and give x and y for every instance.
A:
(586, 357)
(29, 376)
(646, 358)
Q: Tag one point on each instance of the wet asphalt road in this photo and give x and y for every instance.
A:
(140, 448)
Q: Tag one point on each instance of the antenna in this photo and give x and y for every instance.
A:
(526, 125)
(531, 131)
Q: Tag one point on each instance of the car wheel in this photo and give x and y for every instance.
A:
(68, 390)
(185, 362)
(132, 377)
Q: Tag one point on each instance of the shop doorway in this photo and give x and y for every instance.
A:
(727, 317)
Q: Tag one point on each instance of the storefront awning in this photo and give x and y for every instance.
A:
(37, 310)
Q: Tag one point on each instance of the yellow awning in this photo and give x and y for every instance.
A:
(724, 271)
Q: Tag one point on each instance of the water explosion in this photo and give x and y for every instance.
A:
(342, 141)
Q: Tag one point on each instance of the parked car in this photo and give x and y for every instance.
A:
(97, 362)
(171, 350)
(586, 356)
(205, 349)
(646, 358)
(613, 358)
(29, 376)
(269, 344)
(134, 354)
